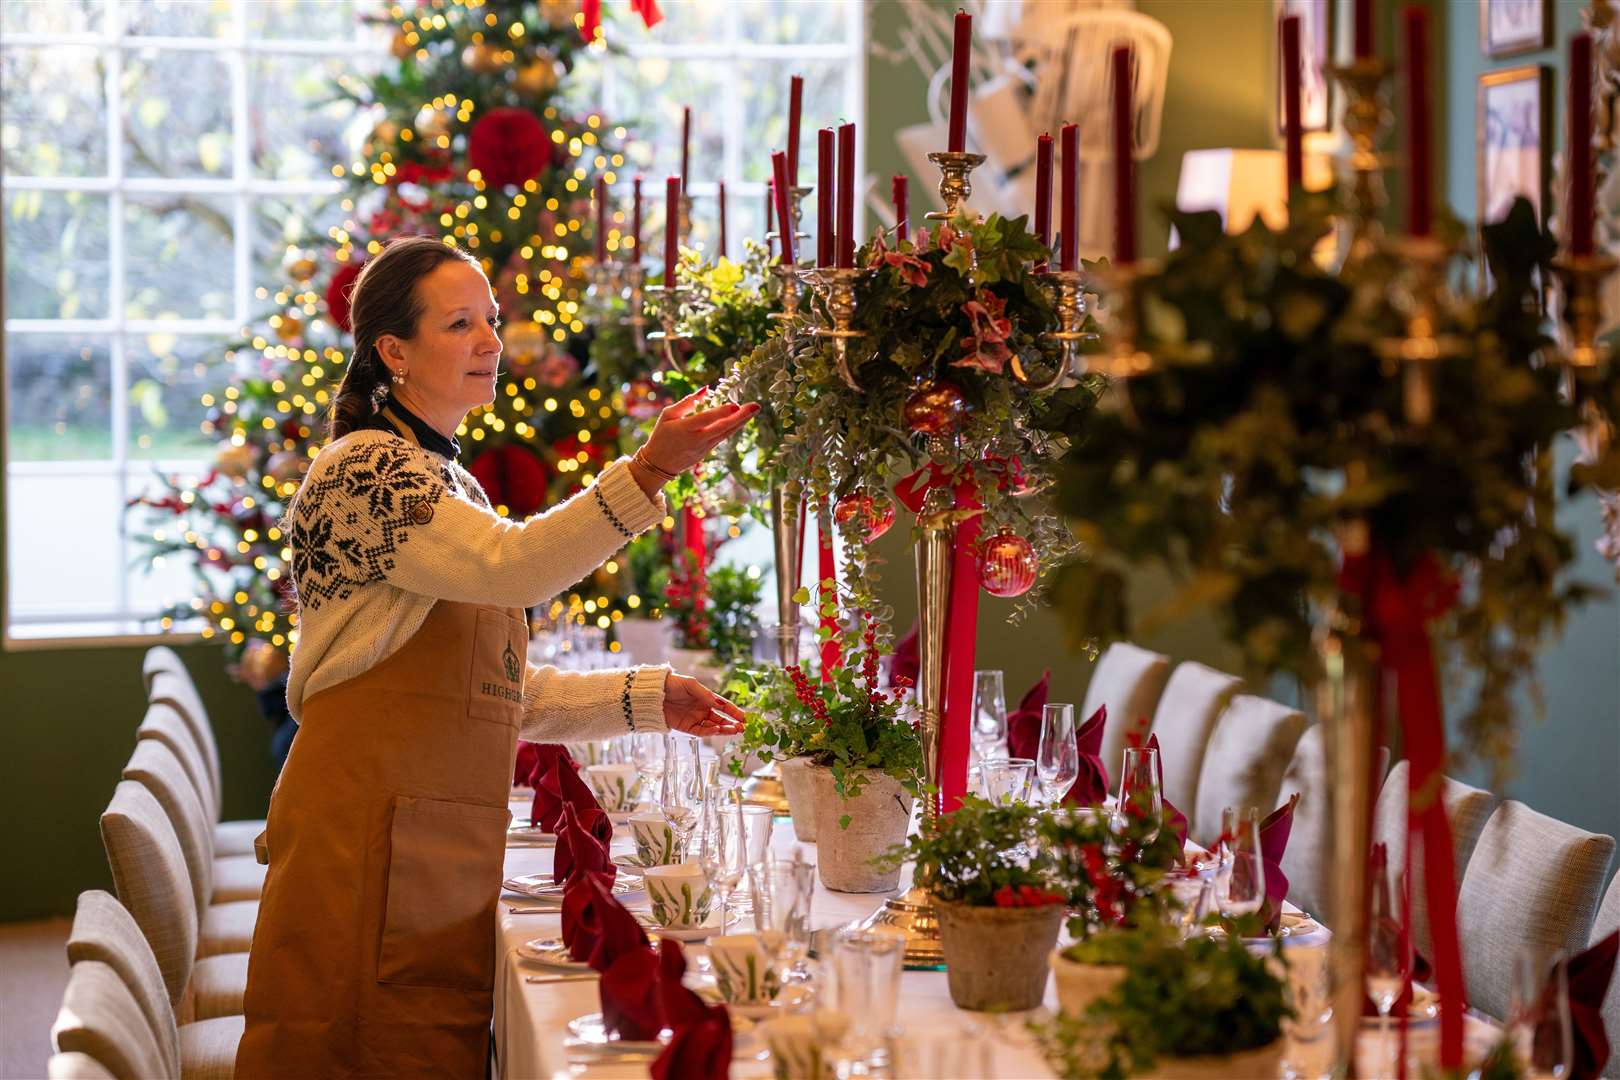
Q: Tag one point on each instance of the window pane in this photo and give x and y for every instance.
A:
(298, 129)
(178, 256)
(56, 255)
(53, 116)
(58, 398)
(168, 374)
(795, 22)
(686, 22)
(177, 18)
(51, 16)
(308, 20)
(177, 114)
(299, 221)
(765, 110)
(649, 93)
(63, 522)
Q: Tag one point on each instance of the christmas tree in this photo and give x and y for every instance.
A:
(473, 142)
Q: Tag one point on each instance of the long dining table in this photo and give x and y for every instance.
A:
(938, 1041)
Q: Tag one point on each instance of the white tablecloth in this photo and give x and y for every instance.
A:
(530, 1019)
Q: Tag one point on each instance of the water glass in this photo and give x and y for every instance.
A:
(989, 715)
(1139, 786)
(722, 852)
(1057, 760)
(681, 793)
(781, 893)
(1007, 780)
(1240, 877)
(866, 984)
(1538, 1014)
(647, 749)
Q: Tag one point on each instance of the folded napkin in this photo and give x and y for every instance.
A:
(528, 759)
(1091, 787)
(682, 1006)
(557, 782)
(597, 928)
(907, 660)
(1175, 819)
(629, 989)
(1024, 722)
(701, 1046)
(583, 837)
(1590, 975)
(1422, 971)
(1274, 832)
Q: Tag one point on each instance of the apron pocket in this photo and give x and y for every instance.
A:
(499, 665)
(444, 874)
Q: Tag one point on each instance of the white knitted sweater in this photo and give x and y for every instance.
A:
(381, 529)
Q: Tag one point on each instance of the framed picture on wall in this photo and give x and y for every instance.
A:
(1511, 27)
(1513, 156)
(1316, 52)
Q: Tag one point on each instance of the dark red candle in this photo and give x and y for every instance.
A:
(1363, 29)
(1418, 182)
(781, 186)
(846, 196)
(635, 220)
(672, 229)
(723, 219)
(825, 191)
(795, 108)
(961, 54)
(1043, 195)
(1069, 211)
(1124, 159)
(601, 219)
(1293, 129)
(1580, 144)
(686, 148)
(770, 212)
(900, 189)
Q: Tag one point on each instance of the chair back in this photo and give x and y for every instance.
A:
(1534, 883)
(177, 689)
(1128, 679)
(1251, 747)
(74, 1065)
(164, 723)
(149, 871)
(101, 1019)
(161, 658)
(1606, 923)
(156, 766)
(105, 932)
(1192, 701)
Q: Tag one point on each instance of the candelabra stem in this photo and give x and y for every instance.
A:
(1367, 118)
(1583, 277)
(955, 181)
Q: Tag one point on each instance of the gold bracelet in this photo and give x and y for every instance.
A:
(640, 459)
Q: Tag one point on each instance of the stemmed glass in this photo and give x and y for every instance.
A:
(681, 793)
(1057, 761)
(989, 715)
(647, 750)
(1538, 1014)
(1139, 786)
(1389, 960)
(1240, 877)
(782, 912)
(724, 852)
(1007, 780)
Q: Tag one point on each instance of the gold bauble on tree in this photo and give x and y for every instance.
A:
(482, 57)
(236, 460)
(302, 268)
(524, 343)
(386, 131)
(290, 329)
(261, 664)
(400, 46)
(539, 76)
(432, 122)
(558, 13)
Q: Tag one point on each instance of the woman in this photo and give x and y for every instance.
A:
(374, 951)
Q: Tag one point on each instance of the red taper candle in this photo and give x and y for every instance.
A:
(601, 219)
(781, 186)
(1293, 128)
(961, 54)
(1069, 210)
(1580, 144)
(1124, 159)
(900, 190)
(1043, 194)
(635, 219)
(1363, 18)
(846, 197)
(686, 147)
(770, 212)
(672, 229)
(826, 189)
(1418, 182)
(795, 109)
(723, 245)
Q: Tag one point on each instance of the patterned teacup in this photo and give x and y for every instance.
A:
(613, 785)
(680, 895)
(796, 1043)
(743, 972)
(655, 840)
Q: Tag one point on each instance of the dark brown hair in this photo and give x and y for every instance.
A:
(383, 300)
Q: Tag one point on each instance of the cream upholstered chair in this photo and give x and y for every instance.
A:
(213, 880)
(104, 932)
(1467, 810)
(1248, 752)
(1606, 923)
(101, 1019)
(74, 1065)
(1534, 883)
(1192, 701)
(1128, 680)
(1310, 842)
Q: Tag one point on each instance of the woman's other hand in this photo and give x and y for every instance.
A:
(683, 436)
(691, 707)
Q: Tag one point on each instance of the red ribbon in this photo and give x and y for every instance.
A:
(1398, 610)
(827, 570)
(592, 22)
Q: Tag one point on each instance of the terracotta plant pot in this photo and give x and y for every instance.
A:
(878, 819)
(995, 957)
(1078, 985)
(794, 773)
(1261, 1061)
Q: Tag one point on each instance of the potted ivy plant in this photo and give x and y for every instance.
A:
(777, 729)
(644, 632)
(999, 898)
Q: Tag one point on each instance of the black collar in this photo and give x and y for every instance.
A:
(427, 436)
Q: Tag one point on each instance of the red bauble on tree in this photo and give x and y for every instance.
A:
(337, 294)
(1007, 565)
(508, 146)
(877, 515)
(513, 477)
(935, 408)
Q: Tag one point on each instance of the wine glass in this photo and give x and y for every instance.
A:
(723, 853)
(647, 749)
(1240, 877)
(1139, 787)
(1057, 761)
(989, 715)
(1389, 960)
(681, 793)
(1007, 780)
(1538, 1014)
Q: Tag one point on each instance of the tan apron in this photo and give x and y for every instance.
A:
(374, 952)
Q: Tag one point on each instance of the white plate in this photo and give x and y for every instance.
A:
(552, 953)
(696, 933)
(532, 835)
(590, 1029)
(541, 887)
(630, 864)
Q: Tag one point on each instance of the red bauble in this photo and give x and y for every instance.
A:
(643, 400)
(935, 408)
(508, 146)
(337, 294)
(1007, 565)
(877, 515)
(513, 477)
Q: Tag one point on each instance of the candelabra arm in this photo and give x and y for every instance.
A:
(955, 181)
(837, 289)
(1583, 276)
(1069, 298)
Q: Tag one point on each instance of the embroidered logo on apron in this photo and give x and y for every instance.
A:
(509, 658)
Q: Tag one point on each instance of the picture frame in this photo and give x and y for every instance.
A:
(1316, 55)
(1512, 149)
(1514, 27)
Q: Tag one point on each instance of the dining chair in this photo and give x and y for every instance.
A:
(74, 1065)
(105, 932)
(101, 1019)
(1308, 859)
(1193, 699)
(1251, 747)
(1534, 882)
(164, 723)
(215, 879)
(1128, 679)
(1467, 810)
(1606, 923)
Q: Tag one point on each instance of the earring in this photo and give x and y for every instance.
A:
(399, 377)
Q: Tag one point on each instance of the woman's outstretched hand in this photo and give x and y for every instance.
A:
(683, 436)
(691, 707)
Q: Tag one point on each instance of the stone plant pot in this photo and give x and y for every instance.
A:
(878, 819)
(794, 772)
(995, 957)
(648, 641)
(698, 663)
(1078, 985)
(1262, 1061)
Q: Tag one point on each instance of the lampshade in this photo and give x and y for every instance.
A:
(1238, 184)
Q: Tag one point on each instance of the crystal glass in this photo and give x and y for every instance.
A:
(782, 912)
(1007, 780)
(1057, 760)
(1389, 960)
(647, 749)
(1139, 785)
(723, 851)
(989, 715)
(681, 792)
(1240, 877)
(1538, 1014)
(866, 980)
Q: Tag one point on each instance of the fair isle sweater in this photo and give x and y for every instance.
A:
(381, 529)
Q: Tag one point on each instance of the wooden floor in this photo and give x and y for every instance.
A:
(33, 973)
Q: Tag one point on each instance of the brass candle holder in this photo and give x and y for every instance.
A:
(790, 274)
(1367, 119)
(1123, 356)
(1069, 298)
(667, 299)
(955, 183)
(795, 206)
(635, 290)
(1419, 294)
(837, 289)
(1584, 353)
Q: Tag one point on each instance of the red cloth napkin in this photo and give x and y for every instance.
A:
(1274, 832)
(907, 660)
(1590, 976)
(597, 928)
(582, 845)
(701, 1046)
(1091, 787)
(1172, 817)
(1422, 970)
(1024, 722)
(631, 1006)
(556, 782)
(528, 759)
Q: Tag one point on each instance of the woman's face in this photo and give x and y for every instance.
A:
(452, 363)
